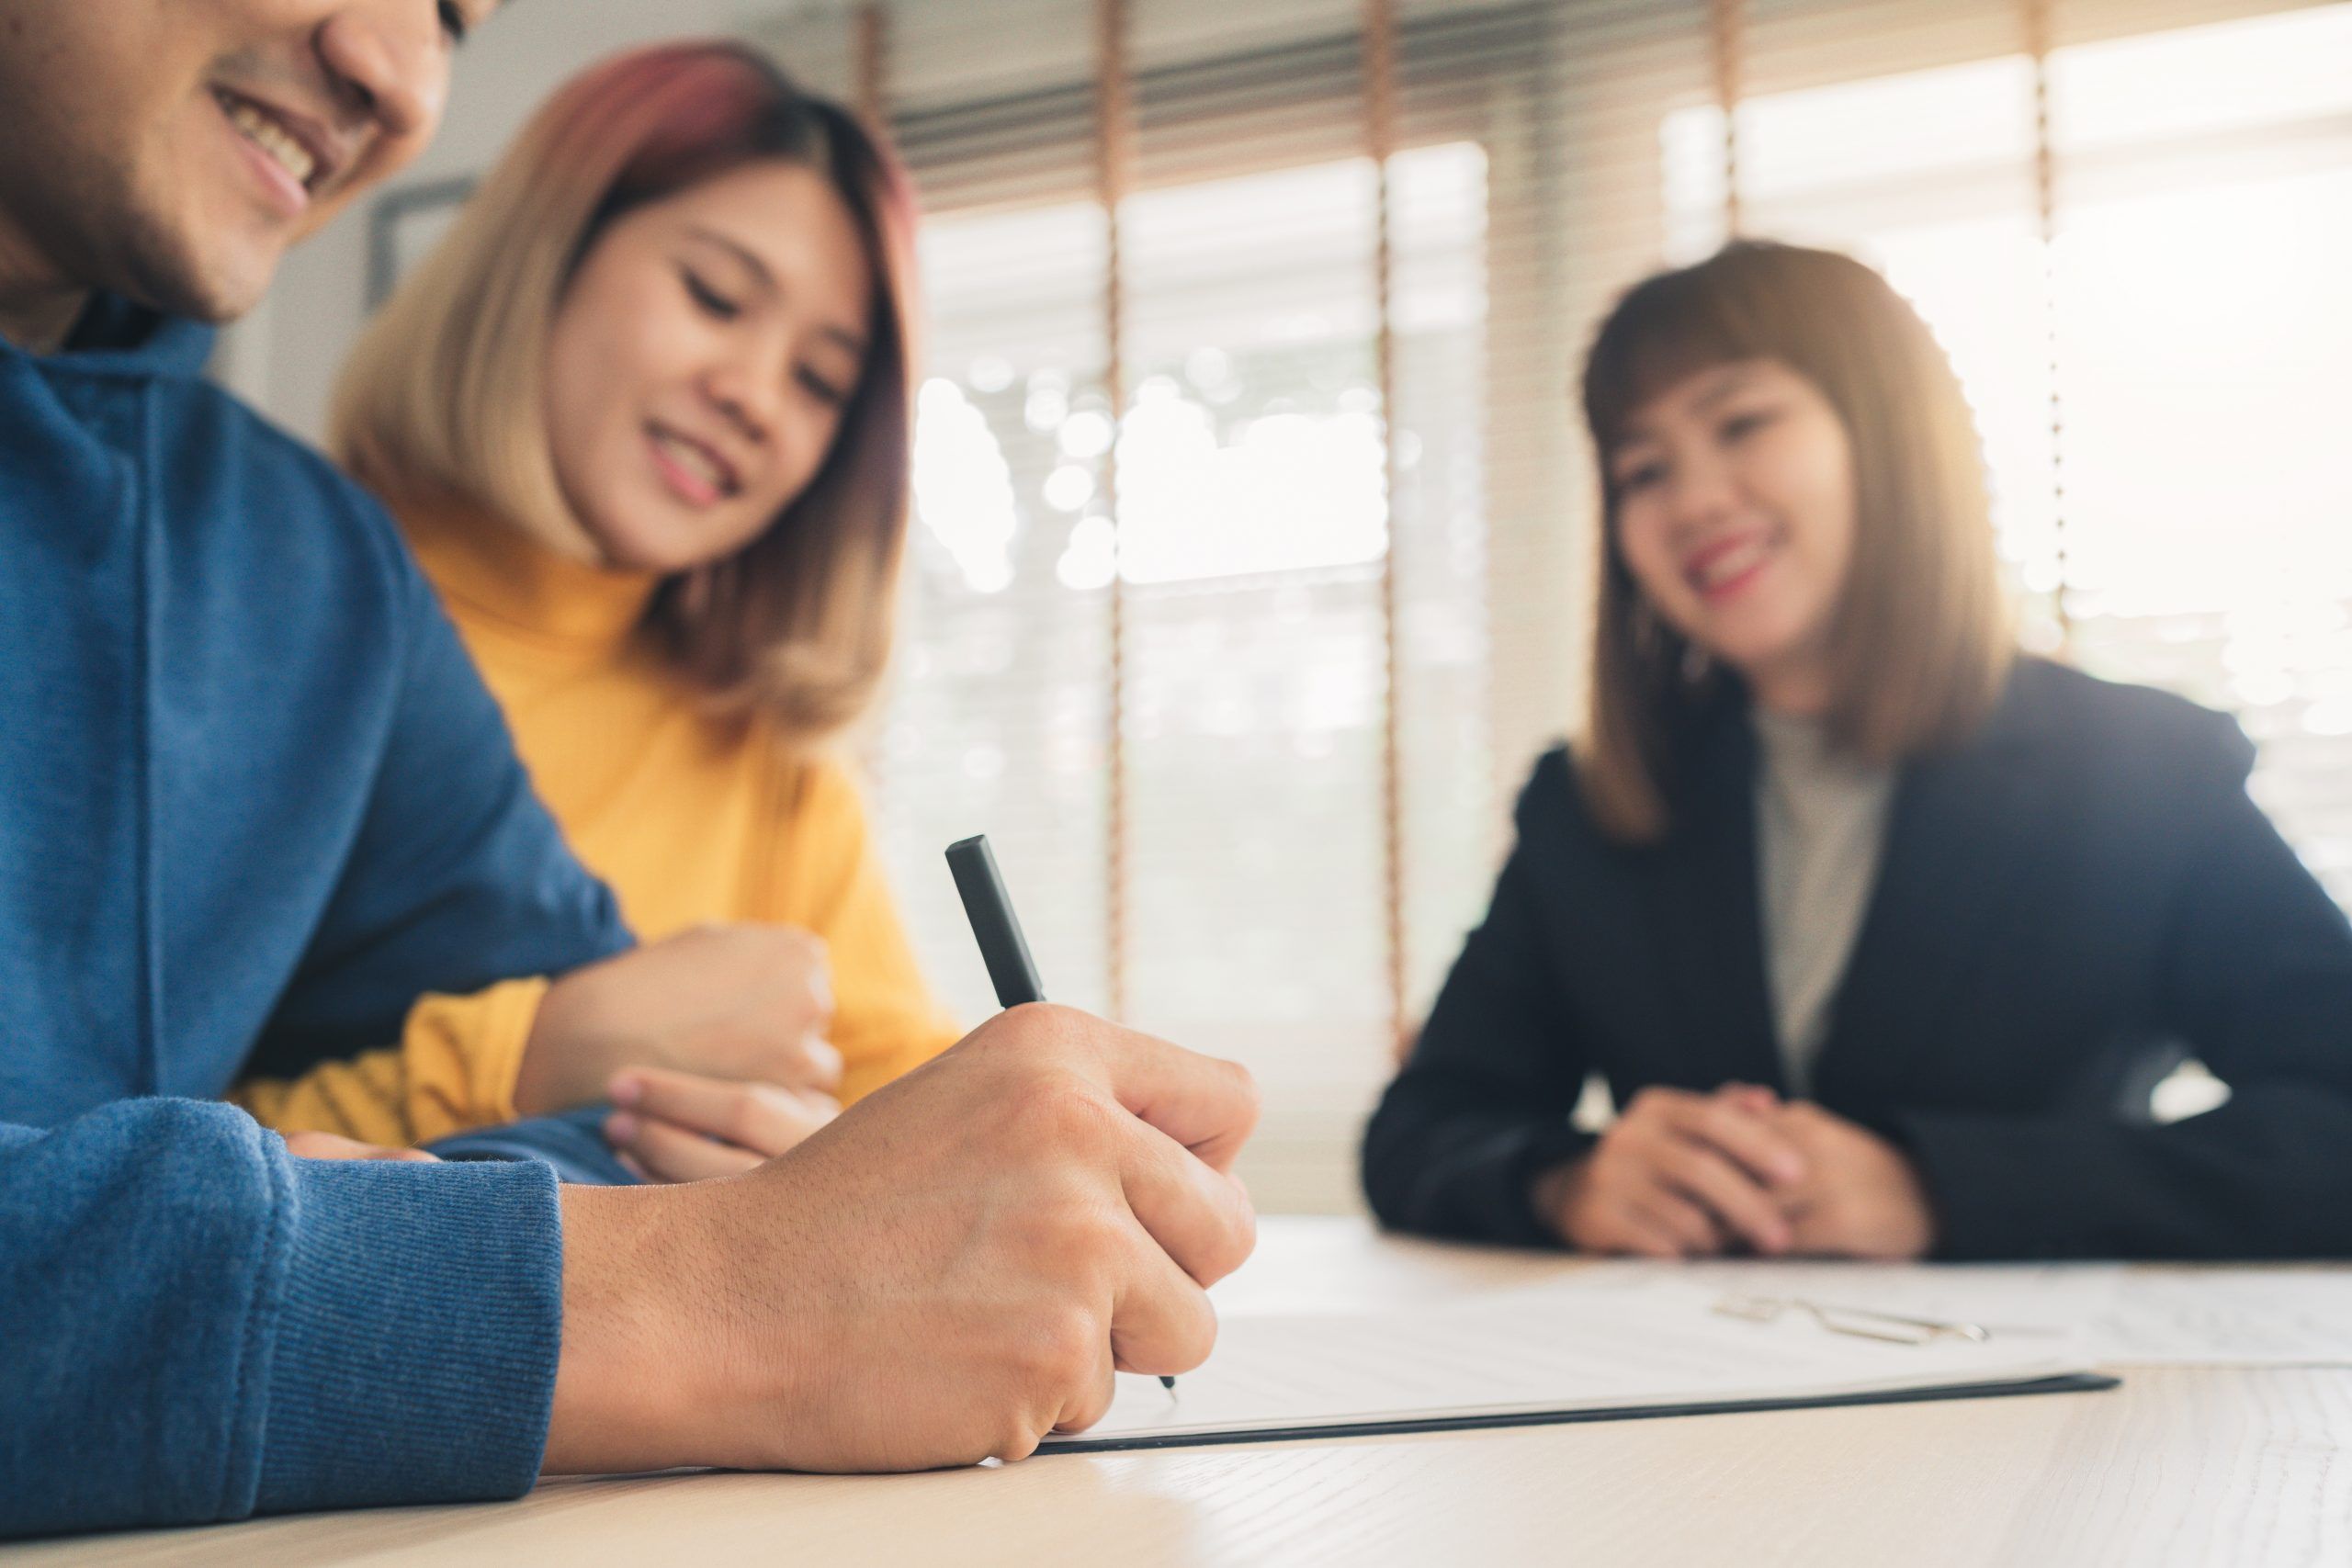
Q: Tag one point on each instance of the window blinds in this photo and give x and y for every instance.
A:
(1339, 483)
(2126, 223)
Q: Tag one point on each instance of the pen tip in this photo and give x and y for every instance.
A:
(1169, 1383)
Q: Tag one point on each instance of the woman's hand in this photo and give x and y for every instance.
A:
(1861, 1196)
(735, 1000)
(334, 1146)
(674, 1126)
(1681, 1175)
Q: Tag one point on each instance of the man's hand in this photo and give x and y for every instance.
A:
(672, 1126)
(949, 1271)
(1681, 1175)
(1860, 1197)
(745, 1002)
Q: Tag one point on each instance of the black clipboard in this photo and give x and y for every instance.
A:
(2070, 1383)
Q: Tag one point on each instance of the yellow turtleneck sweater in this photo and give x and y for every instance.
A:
(688, 819)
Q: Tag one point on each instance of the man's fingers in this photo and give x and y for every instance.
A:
(1728, 1191)
(1200, 1216)
(1091, 1400)
(1161, 1321)
(668, 1153)
(1207, 1105)
(1743, 1135)
(759, 1117)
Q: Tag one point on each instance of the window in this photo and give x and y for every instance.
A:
(1550, 154)
(1254, 518)
(2193, 505)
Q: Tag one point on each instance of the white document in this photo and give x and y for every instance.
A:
(2107, 1314)
(1571, 1344)
(2266, 1317)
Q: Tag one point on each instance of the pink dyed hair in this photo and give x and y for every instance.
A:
(439, 400)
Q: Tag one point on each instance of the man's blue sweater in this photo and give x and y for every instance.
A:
(253, 801)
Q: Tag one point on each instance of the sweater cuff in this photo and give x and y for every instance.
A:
(418, 1315)
(1543, 1148)
(464, 1056)
(1989, 1181)
(509, 1010)
(1481, 1188)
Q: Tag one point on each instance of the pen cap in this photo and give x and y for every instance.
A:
(986, 904)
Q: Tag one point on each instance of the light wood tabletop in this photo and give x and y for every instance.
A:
(2175, 1467)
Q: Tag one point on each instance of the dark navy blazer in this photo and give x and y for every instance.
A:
(2084, 886)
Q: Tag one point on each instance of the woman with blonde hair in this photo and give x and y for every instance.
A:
(644, 416)
(1867, 920)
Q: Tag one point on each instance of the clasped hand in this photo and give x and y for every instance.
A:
(710, 1045)
(1687, 1175)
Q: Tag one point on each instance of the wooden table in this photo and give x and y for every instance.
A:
(2177, 1466)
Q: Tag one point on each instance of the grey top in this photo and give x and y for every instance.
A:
(1820, 829)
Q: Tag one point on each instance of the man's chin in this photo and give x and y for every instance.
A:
(216, 294)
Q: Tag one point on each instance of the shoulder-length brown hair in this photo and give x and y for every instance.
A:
(1920, 644)
(442, 399)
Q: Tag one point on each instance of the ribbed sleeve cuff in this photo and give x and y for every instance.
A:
(1478, 1188)
(1537, 1152)
(416, 1324)
(464, 1055)
(1991, 1184)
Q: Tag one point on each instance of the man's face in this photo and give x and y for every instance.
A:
(172, 150)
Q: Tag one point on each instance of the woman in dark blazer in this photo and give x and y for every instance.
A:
(1866, 917)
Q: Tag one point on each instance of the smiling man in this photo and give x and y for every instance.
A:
(254, 804)
(172, 150)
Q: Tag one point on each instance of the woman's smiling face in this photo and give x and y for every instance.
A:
(701, 364)
(1735, 515)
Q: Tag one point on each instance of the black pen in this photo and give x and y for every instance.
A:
(1002, 947)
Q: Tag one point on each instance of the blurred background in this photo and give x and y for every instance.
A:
(1255, 525)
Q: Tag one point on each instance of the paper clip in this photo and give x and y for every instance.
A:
(1861, 1321)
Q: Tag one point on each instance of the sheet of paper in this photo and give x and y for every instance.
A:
(1563, 1344)
(2102, 1314)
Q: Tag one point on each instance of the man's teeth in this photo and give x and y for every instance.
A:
(1731, 563)
(695, 461)
(271, 137)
